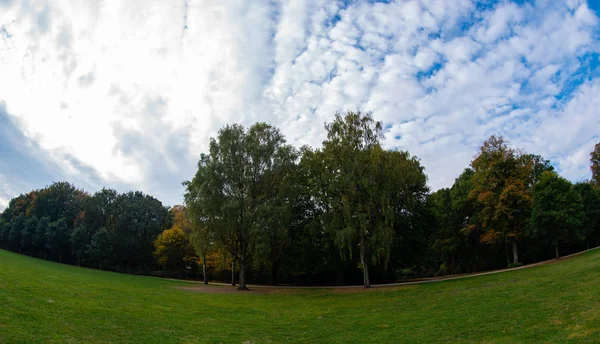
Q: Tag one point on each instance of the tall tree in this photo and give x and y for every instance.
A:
(81, 238)
(100, 209)
(100, 247)
(229, 188)
(16, 228)
(203, 243)
(29, 229)
(595, 164)
(4, 231)
(58, 236)
(139, 219)
(274, 210)
(447, 238)
(464, 208)
(590, 197)
(39, 238)
(367, 189)
(501, 190)
(557, 210)
(60, 200)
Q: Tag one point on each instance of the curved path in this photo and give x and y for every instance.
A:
(409, 282)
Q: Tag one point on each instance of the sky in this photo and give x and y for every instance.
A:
(126, 94)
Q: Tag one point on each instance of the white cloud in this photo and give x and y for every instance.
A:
(134, 89)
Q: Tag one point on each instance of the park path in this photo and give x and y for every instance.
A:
(408, 282)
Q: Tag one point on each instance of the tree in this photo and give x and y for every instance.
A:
(80, 241)
(60, 200)
(16, 228)
(367, 188)
(557, 210)
(174, 251)
(228, 187)
(39, 238)
(4, 232)
(57, 237)
(100, 209)
(590, 197)
(274, 210)
(202, 244)
(536, 165)
(100, 247)
(595, 164)
(448, 238)
(138, 220)
(501, 190)
(29, 229)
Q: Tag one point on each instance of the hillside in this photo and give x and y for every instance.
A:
(48, 302)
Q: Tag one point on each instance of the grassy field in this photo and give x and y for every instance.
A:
(47, 302)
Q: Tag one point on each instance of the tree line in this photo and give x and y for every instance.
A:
(259, 209)
(66, 224)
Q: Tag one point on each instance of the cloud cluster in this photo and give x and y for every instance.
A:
(127, 93)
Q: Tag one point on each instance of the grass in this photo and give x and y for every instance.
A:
(48, 302)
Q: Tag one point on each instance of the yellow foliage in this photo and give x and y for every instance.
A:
(174, 250)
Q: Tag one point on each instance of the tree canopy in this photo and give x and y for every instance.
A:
(347, 211)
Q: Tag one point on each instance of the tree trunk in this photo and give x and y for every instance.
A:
(60, 257)
(243, 274)
(557, 255)
(44, 254)
(506, 254)
(365, 265)
(233, 273)
(100, 265)
(587, 243)
(515, 252)
(204, 269)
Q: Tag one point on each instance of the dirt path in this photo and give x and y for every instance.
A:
(225, 288)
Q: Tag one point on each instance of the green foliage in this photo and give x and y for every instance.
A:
(137, 221)
(80, 240)
(100, 247)
(14, 236)
(39, 238)
(4, 231)
(557, 210)
(320, 215)
(233, 183)
(590, 197)
(57, 237)
(502, 182)
(59, 221)
(365, 189)
(28, 234)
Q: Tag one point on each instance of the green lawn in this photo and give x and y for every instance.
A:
(48, 302)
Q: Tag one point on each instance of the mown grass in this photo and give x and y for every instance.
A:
(48, 302)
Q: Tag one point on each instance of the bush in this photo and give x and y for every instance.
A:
(514, 265)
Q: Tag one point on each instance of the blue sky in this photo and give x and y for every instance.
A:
(126, 94)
